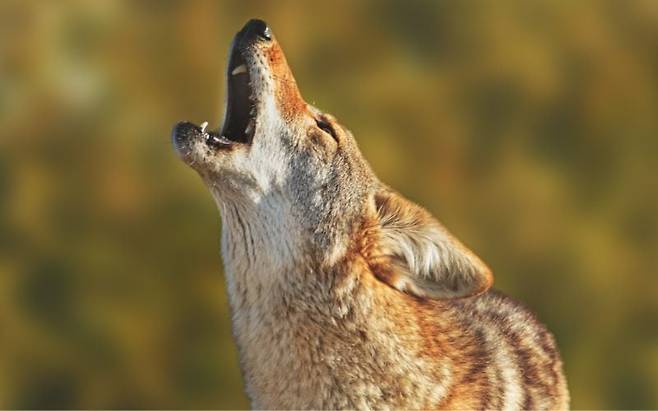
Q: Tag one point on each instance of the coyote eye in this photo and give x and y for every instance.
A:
(326, 127)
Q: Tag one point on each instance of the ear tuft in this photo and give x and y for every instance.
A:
(427, 261)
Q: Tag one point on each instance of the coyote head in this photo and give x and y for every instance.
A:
(293, 188)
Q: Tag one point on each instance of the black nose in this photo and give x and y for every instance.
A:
(256, 27)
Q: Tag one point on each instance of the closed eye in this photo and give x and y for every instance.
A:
(326, 127)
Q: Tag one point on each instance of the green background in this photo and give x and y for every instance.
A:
(529, 128)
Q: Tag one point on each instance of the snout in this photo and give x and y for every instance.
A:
(261, 91)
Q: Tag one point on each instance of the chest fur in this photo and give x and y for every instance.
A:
(325, 351)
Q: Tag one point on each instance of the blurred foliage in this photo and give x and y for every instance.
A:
(529, 128)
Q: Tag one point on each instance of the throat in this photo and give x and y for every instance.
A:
(259, 244)
(270, 263)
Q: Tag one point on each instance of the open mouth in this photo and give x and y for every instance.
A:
(240, 118)
(241, 102)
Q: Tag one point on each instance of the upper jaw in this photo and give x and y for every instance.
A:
(241, 97)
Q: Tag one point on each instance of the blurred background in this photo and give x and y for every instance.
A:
(529, 128)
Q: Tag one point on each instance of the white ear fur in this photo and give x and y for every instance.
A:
(426, 260)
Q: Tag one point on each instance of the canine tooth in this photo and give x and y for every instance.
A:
(239, 69)
(203, 126)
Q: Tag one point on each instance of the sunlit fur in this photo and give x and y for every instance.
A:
(346, 295)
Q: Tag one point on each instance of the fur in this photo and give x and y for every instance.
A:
(343, 293)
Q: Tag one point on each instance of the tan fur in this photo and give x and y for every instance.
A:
(288, 97)
(345, 295)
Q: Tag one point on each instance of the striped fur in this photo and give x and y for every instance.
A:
(345, 295)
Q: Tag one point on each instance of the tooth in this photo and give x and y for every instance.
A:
(203, 126)
(250, 127)
(239, 69)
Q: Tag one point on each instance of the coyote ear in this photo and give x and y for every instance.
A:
(426, 260)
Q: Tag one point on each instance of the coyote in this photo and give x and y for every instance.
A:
(343, 293)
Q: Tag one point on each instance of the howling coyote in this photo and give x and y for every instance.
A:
(343, 293)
